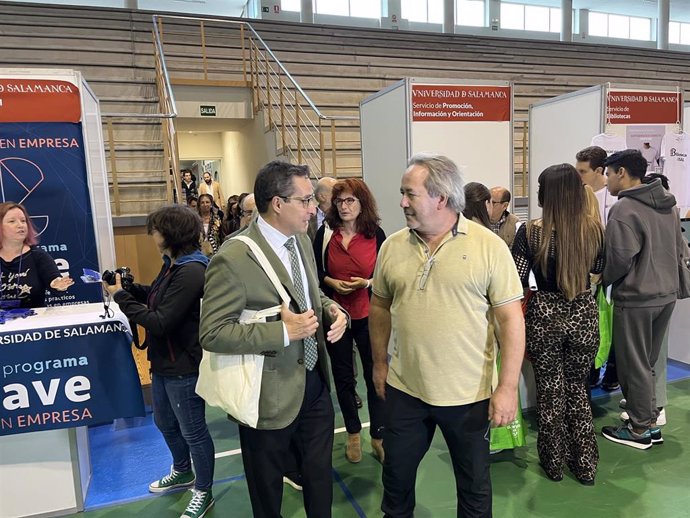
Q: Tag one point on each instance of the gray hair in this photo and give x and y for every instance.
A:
(444, 179)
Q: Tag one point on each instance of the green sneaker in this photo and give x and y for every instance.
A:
(201, 502)
(175, 480)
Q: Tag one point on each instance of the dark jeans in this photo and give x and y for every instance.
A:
(344, 377)
(180, 415)
(409, 429)
(267, 453)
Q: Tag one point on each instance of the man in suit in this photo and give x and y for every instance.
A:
(294, 403)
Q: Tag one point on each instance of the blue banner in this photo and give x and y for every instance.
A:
(63, 377)
(42, 166)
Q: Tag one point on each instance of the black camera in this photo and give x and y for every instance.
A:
(126, 277)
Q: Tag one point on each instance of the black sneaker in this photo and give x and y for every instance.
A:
(655, 434)
(623, 434)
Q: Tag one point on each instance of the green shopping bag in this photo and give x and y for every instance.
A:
(511, 435)
(605, 327)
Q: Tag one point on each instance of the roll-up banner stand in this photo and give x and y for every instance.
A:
(471, 122)
(52, 162)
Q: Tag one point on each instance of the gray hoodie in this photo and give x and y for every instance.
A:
(643, 240)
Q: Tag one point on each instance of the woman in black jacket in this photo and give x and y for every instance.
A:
(346, 247)
(169, 312)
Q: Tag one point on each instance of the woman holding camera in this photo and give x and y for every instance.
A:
(26, 272)
(169, 312)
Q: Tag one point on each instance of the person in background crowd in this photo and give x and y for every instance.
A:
(169, 311)
(26, 272)
(477, 203)
(590, 167)
(345, 269)
(212, 187)
(642, 225)
(193, 202)
(211, 231)
(247, 210)
(231, 221)
(295, 405)
(503, 223)
(562, 248)
(322, 193)
(433, 286)
(189, 188)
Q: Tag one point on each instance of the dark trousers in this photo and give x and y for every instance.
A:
(266, 453)
(562, 341)
(638, 334)
(409, 429)
(341, 353)
(179, 413)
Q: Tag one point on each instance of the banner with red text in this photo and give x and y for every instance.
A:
(39, 100)
(633, 107)
(460, 103)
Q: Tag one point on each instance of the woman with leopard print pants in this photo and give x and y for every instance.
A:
(562, 320)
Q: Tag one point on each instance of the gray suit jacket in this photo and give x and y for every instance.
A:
(235, 281)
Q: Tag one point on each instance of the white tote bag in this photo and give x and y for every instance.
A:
(232, 382)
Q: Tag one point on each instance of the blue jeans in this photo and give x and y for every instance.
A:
(180, 415)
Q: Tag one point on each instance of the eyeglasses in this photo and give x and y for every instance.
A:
(344, 201)
(497, 202)
(309, 200)
(243, 213)
(425, 273)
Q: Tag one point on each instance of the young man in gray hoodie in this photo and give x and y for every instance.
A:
(642, 243)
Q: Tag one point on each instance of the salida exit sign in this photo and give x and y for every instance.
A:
(207, 111)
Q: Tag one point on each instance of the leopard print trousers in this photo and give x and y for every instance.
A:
(562, 341)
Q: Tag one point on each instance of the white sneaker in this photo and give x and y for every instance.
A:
(660, 421)
(621, 403)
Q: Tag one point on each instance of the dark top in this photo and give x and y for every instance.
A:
(523, 254)
(190, 190)
(358, 260)
(169, 312)
(27, 277)
(643, 245)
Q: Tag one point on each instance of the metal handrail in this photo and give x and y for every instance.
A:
(156, 17)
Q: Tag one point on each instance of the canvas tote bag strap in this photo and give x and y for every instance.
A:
(263, 261)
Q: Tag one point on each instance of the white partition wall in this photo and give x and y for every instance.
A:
(468, 121)
(558, 129)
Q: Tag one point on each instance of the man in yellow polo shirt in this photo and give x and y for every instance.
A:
(435, 286)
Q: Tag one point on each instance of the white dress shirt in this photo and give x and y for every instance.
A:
(276, 240)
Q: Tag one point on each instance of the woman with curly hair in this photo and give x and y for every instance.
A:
(346, 248)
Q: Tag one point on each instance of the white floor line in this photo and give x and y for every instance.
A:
(230, 453)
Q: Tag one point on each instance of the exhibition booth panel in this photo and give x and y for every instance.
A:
(57, 364)
(468, 121)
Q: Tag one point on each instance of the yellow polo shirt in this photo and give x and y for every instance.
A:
(443, 349)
